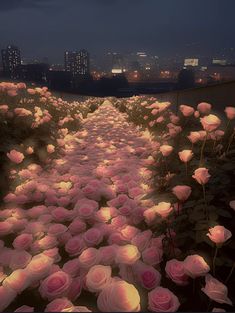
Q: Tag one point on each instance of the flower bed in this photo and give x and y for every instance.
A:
(115, 211)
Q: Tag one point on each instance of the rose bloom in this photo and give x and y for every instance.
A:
(194, 137)
(5, 228)
(15, 156)
(204, 107)
(166, 150)
(152, 255)
(141, 240)
(107, 254)
(230, 112)
(195, 266)
(216, 291)
(19, 259)
(218, 310)
(147, 276)
(164, 209)
(182, 192)
(7, 295)
(162, 300)
(93, 237)
(232, 204)
(75, 245)
(89, 258)
(56, 285)
(98, 277)
(19, 280)
(72, 267)
(185, 155)
(201, 175)
(25, 308)
(219, 234)
(210, 122)
(175, 271)
(39, 266)
(50, 149)
(127, 254)
(75, 288)
(186, 110)
(119, 297)
(58, 305)
(29, 150)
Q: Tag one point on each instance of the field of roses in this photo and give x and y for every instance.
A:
(115, 205)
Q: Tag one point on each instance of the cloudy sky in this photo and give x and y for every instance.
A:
(163, 27)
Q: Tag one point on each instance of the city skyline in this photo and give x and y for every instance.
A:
(164, 28)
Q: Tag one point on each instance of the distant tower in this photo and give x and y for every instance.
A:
(77, 62)
(11, 60)
(83, 63)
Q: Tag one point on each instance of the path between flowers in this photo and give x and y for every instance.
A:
(77, 210)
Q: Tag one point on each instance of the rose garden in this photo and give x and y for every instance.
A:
(115, 205)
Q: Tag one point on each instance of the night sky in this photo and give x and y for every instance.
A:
(163, 27)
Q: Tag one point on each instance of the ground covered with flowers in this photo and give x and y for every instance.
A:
(116, 205)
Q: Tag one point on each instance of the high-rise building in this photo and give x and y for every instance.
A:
(118, 66)
(77, 63)
(11, 60)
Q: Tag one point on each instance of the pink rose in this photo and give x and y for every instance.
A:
(39, 266)
(75, 245)
(195, 266)
(19, 280)
(175, 271)
(182, 192)
(147, 276)
(93, 237)
(107, 254)
(166, 150)
(56, 285)
(50, 149)
(194, 137)
(141, 240)
(128, 232)
(5, 228)
(210, 122)
(185, 155)
(89, 258)
(75, 288)
(186, 110)
(201, 175)
(219, 234)
(77, 227)
(23, 241)
(152, 255)
(162, 300)
(232, 204)
(164, 209)
(119, 297)
(72, 267)
(19, 259)
(216, 291)
(58, 305)
(57, 229)
(15, 156)
(98, 278)
(25, 308)
(7, 295)
(204, 107)
(127, 254)
(230, 112)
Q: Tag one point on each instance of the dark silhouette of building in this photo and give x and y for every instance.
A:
(186, 79)
(34, 72)
(60, 80)
(77, 63)
(11, 60)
